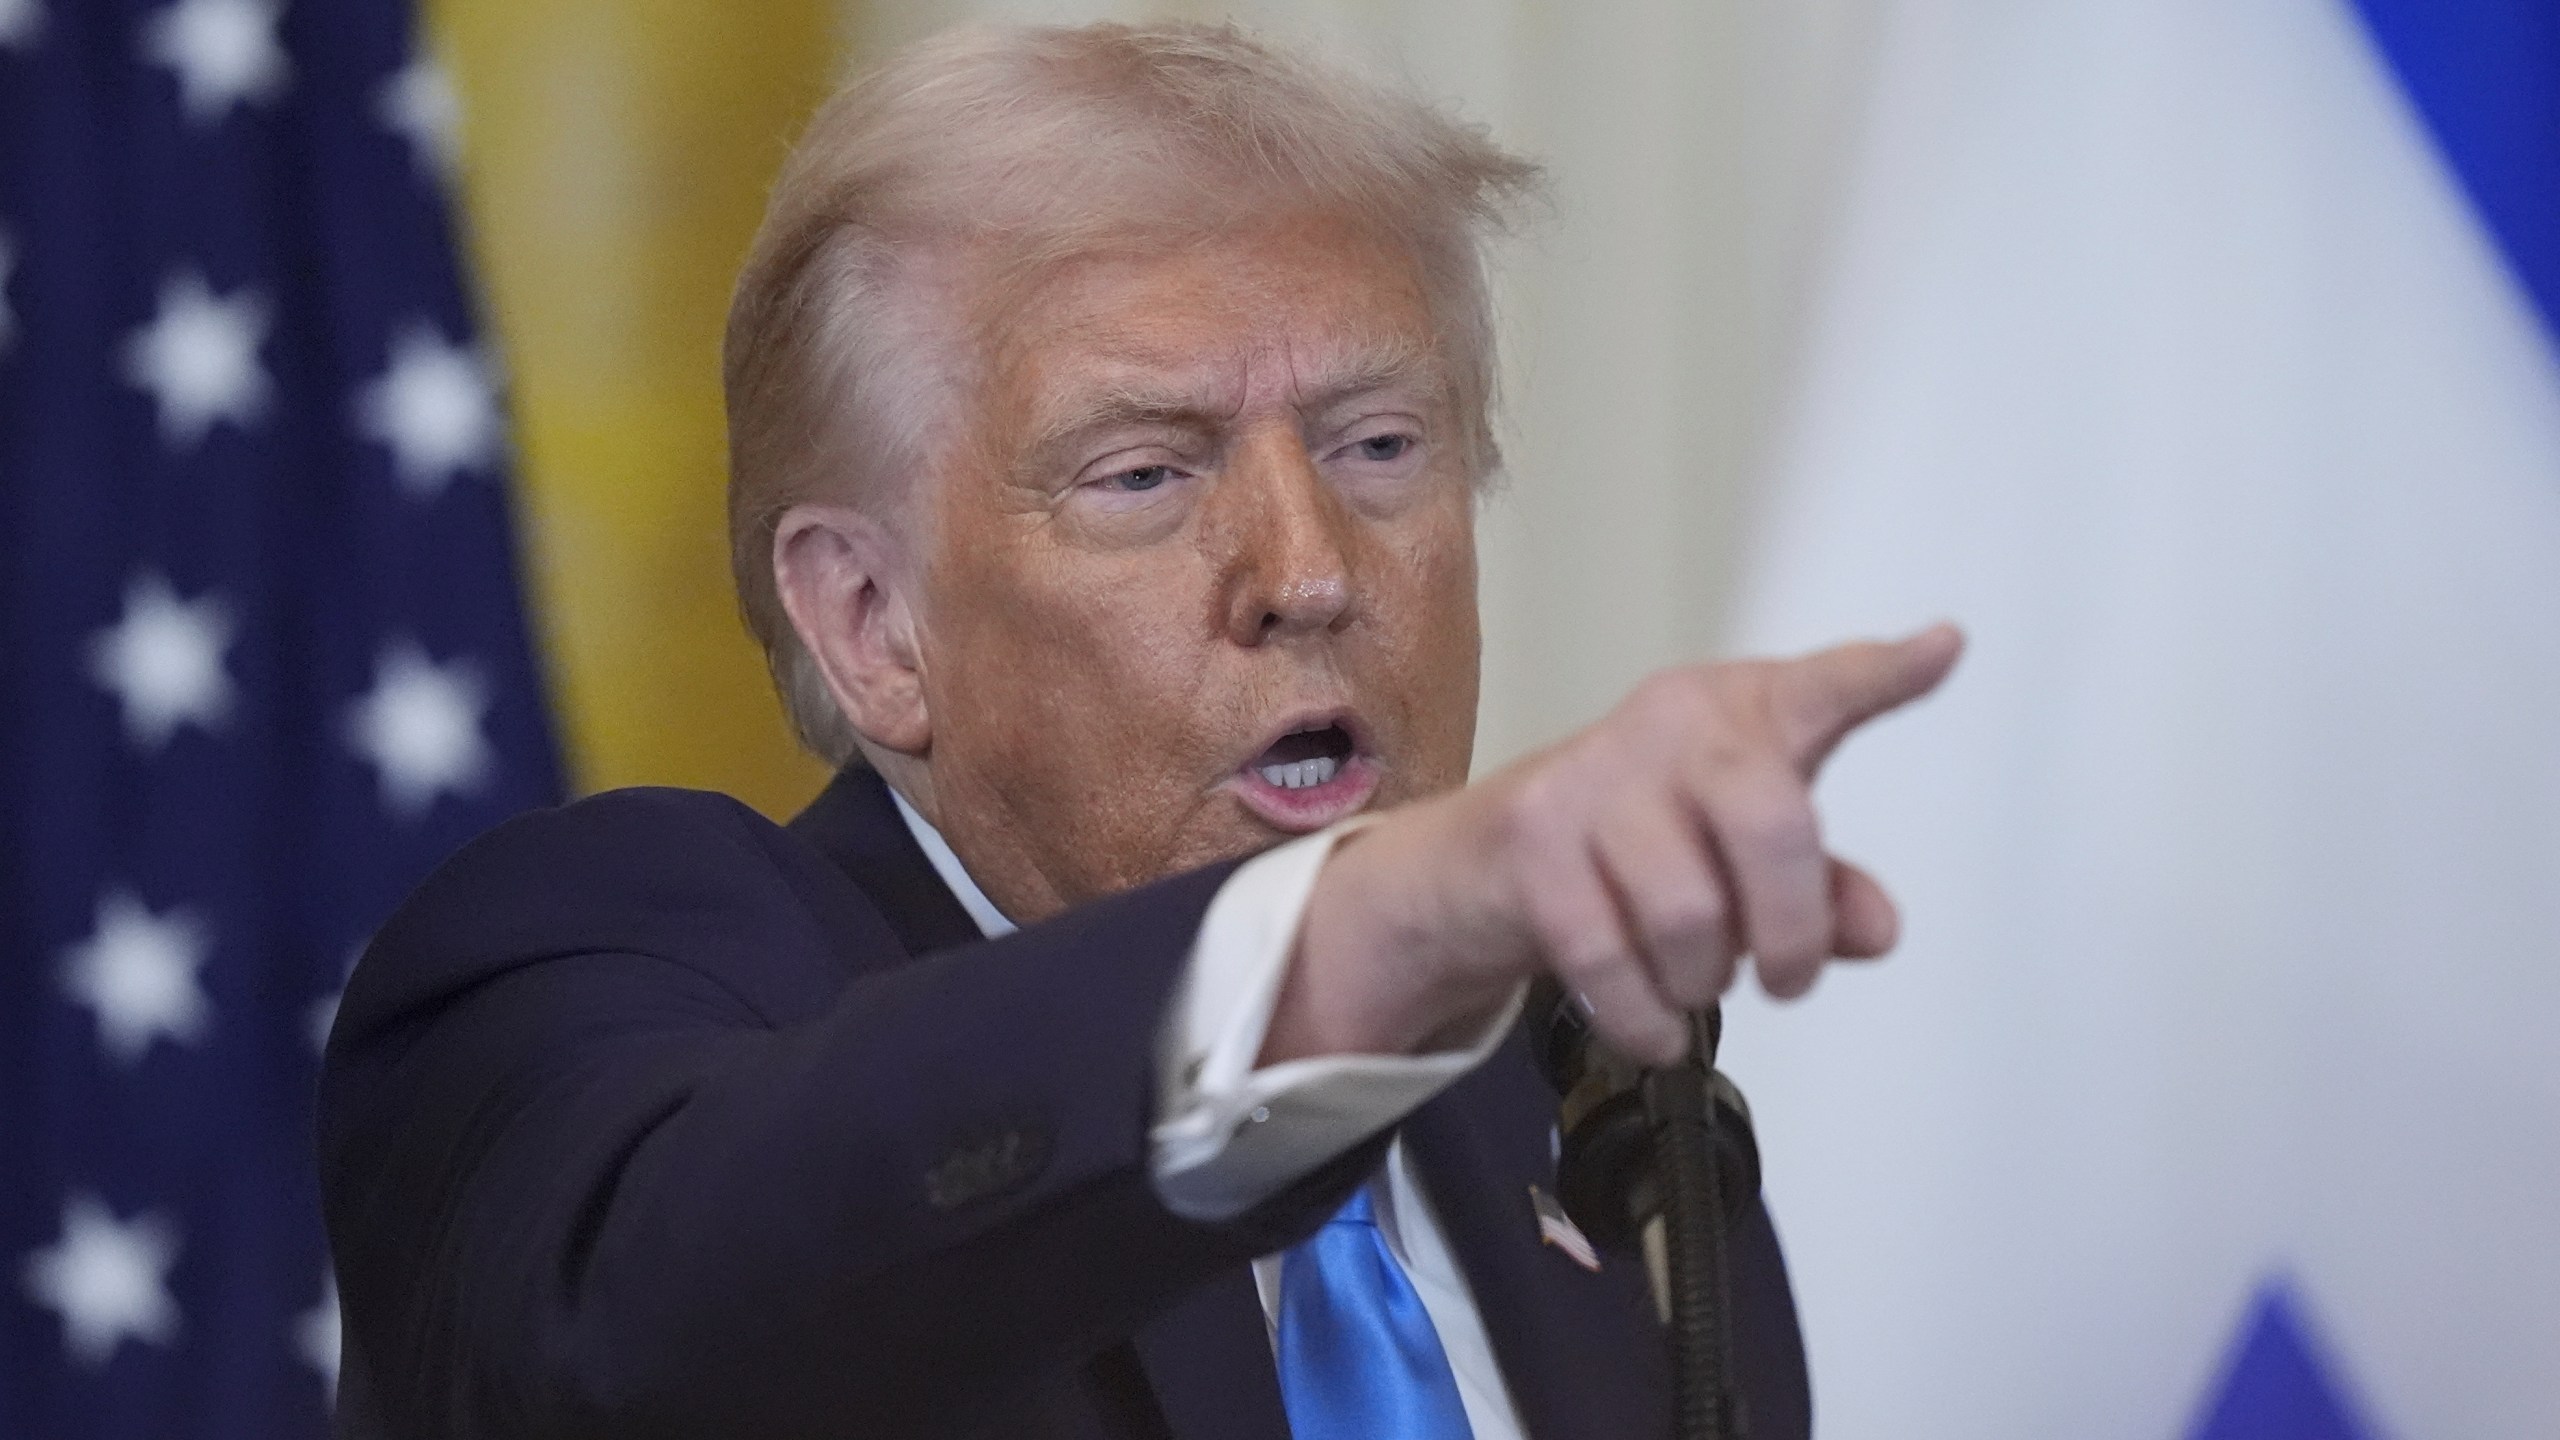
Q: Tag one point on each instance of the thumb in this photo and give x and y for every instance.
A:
(1865, 924)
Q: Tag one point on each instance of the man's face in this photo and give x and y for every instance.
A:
(1203, 577)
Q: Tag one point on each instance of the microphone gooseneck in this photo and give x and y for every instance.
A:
(1670, 1143)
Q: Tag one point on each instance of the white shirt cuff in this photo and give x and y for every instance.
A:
(1229, 1136)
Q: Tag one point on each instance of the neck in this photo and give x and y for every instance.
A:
(976, 837)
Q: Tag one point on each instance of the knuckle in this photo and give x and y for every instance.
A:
(1719, 754)
(1786, 684)
(1698, 979)
(1673, 691)
(1659, 1037)
(1774, 822)
(1795, 939)
(1753, 685)
(1679, 702)
(1573, 930)
(1687, 922)
(1585, 960)
(1546, 795)
(1789, 951)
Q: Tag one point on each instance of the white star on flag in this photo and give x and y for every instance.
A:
(224, 51)
(435, 408)
(315, 1334)
(8, 267)
(137, 972)
(419, 105)
(199, 359)
(21, 21)
(108, 1279)
(163, 660)
(420, 726)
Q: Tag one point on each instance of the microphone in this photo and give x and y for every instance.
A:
(1609, 1174)
(1669, 1144)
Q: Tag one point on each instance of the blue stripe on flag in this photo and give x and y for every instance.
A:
(2486, 76)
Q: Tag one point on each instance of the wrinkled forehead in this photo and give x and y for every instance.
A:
(1288, 315)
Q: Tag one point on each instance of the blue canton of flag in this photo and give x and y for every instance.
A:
(264, 661)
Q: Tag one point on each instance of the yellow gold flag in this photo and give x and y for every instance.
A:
(616, 155)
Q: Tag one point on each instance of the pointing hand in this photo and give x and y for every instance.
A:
(1638, 861)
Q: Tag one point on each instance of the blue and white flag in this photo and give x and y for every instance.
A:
(263, 661)
(2203, 357)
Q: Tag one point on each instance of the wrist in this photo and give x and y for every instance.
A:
(1371, 970)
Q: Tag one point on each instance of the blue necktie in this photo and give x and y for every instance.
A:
(1358, 1357)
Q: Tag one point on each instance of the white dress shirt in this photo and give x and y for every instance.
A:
(1229, 1135)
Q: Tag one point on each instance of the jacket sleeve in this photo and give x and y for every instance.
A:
(627, 1128)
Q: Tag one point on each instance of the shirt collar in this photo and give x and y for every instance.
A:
(991, 921)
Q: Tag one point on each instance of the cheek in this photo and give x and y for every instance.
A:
(993, 650)
(1130, 634)
(1433, 648)
(1069, 690)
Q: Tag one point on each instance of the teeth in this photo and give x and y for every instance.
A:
(1302, 774)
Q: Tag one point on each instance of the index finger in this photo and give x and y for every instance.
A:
(1821, 697)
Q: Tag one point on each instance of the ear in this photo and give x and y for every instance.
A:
(849, 586)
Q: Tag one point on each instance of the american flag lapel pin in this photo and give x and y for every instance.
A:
(1557, 1228)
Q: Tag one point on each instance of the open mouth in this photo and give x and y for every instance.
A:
(1305, 759)
(1313, 775)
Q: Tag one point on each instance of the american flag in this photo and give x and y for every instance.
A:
(262, 664)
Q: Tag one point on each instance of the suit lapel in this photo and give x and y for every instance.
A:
(1582, 1351)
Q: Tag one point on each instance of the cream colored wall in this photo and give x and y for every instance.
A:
(1694, 145)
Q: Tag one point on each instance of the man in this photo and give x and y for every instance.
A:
(1109, 411)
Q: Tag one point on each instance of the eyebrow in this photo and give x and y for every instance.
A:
(1361, 371)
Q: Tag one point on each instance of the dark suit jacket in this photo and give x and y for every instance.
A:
(647, 1117)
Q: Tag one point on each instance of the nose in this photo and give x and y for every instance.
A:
(1292, 574)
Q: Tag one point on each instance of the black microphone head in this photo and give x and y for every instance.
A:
(1606, 1176)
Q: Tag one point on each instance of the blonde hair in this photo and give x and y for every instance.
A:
(1004, 150)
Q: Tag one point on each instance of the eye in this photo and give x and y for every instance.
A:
(1380, 447)
(1139, 480)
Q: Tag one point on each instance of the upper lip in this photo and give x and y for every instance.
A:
(1342, 717)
